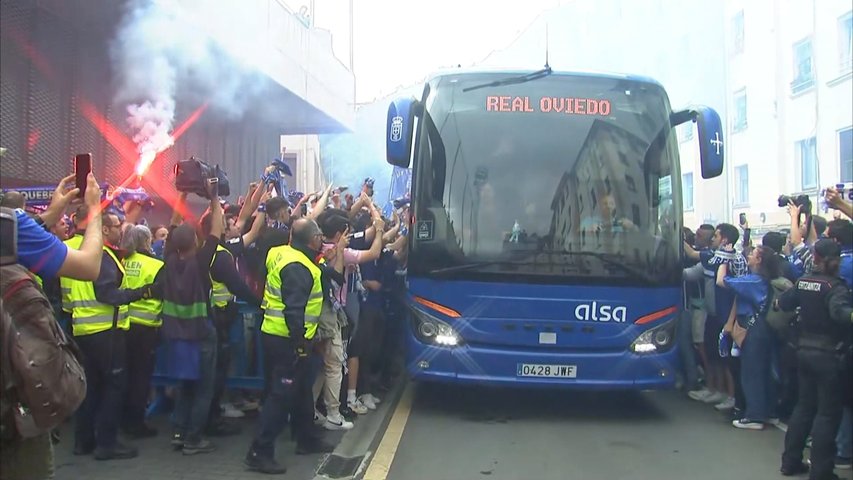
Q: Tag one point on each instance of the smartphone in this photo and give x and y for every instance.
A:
(214, 183)
(743, 219)
(82, 168)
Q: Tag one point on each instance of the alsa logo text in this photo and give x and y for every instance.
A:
(595, 312)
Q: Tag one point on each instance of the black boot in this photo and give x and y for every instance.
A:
(116, 452)
(263, 464)
(792, 470)
(84, 448)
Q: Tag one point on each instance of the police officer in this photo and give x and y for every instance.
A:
(823, 350)
(100, 321)
(141, 268)
(293, 300)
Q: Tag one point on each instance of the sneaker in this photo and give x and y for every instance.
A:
(347, 413)
(735, 414)
(202, 446)
(247, 405)
(367, 401)
(774, 421)
(337, 422)
(376, 400)
(747, 424)
(715, 398)
(842, 463)
(177, 441)
(357, 407)
(725, 405)
(230, 411)
(258, 463)
(319, 418)
(699, 395)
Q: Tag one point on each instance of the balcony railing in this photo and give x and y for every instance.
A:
(801, 84)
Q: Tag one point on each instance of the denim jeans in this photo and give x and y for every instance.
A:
(194, 396)
(844, 440)
(756, 373)
(686, 351)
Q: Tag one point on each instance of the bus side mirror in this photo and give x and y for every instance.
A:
(711, 151)
(398, 131)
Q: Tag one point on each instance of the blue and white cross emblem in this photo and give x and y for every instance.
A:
(716, 142)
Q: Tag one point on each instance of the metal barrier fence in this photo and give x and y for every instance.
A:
(246, 371)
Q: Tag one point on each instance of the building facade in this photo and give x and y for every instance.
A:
(789, 87)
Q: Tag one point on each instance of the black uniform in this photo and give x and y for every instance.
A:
(105, 364)
(822, 355)
(290, 374)
(224, 270)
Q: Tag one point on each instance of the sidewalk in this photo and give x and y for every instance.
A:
(158, 461)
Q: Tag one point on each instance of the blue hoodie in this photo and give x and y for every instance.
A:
(751, 293)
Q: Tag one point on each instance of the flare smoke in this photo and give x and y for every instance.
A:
(160, 47)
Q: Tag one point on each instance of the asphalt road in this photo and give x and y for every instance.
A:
(453, 433)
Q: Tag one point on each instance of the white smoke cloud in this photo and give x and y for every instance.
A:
(161, 49)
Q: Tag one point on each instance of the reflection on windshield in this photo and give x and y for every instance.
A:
(494, 184)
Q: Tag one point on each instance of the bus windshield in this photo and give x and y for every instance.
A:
(559, 179)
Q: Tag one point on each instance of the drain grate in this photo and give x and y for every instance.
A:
(337, 466)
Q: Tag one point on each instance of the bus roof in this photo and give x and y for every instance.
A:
(513, 72)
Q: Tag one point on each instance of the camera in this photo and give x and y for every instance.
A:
(193, 175)
(802, 201)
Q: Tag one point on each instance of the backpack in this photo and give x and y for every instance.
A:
(42, 381)
(779, 320)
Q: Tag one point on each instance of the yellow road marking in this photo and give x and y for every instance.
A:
(384, 456)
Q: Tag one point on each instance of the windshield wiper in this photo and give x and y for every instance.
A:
(468, 266)
(513, 80)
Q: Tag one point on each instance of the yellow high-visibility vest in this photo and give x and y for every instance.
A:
(88, 315)
(141, 270)
(219, 294)
(74, 242)
(274, 323)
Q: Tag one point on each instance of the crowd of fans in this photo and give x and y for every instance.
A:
(750, 328)
(179, 289)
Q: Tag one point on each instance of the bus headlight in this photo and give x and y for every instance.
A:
(655, 340)
(433, 331)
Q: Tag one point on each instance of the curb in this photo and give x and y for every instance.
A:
(355, 450)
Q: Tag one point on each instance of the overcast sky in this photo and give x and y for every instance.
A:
(397, 43)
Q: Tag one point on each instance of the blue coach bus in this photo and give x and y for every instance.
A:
(545, 245)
